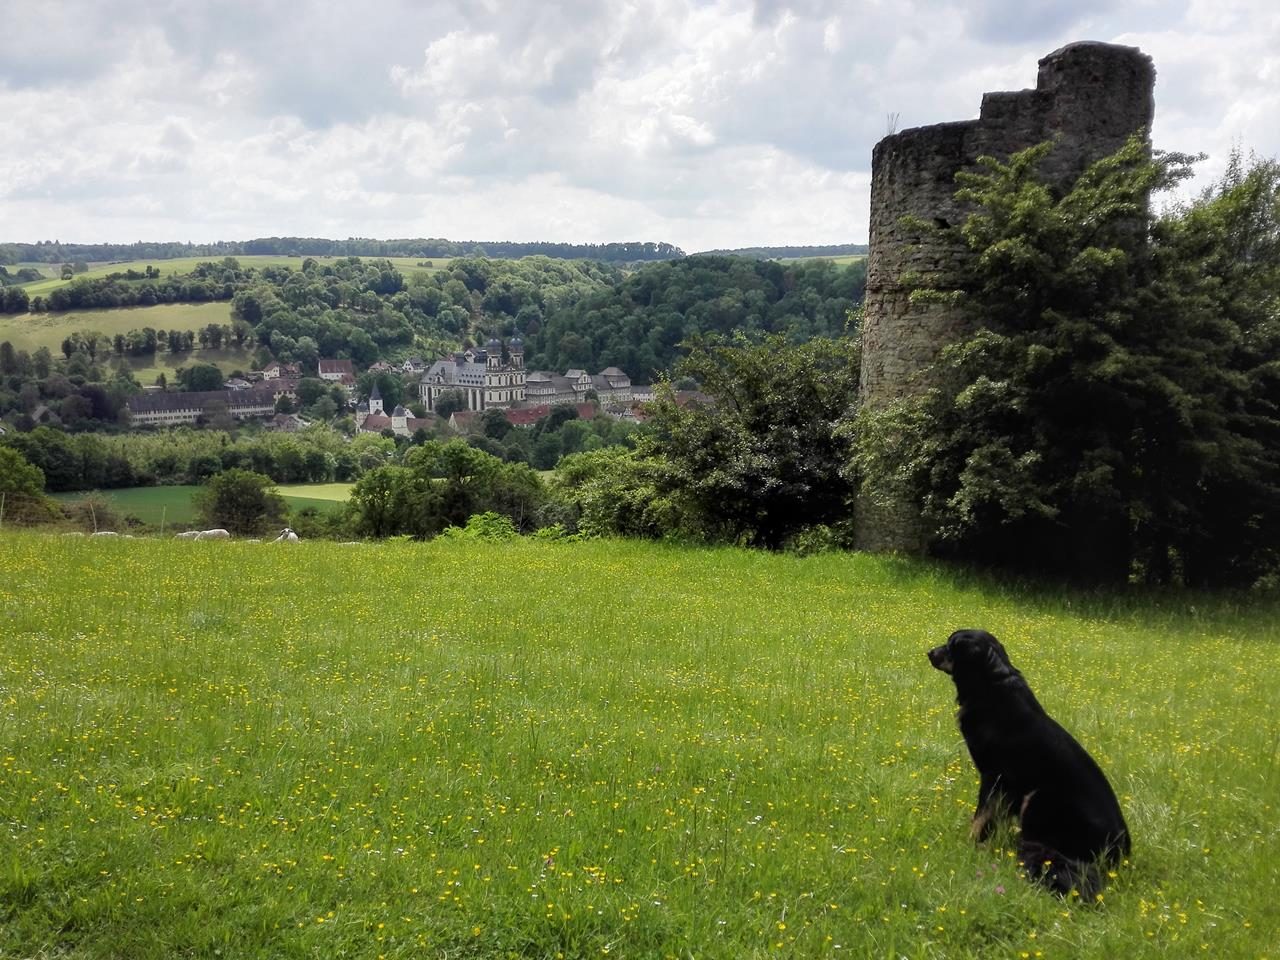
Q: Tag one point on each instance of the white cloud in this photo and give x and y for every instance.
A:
(701, 122)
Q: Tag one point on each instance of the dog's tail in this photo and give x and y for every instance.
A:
(1061, 874)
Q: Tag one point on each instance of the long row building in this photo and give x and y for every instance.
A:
(165, 409)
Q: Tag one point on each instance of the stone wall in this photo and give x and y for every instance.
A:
(1088, 99)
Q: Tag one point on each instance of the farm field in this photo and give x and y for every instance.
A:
(181, 265)
(30, 331)
(597, 749)
(171, 505)
(843, 261)
(321, 492)
(146, 369)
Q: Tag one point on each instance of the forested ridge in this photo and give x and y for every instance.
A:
(572, 313)
(639, 322)
(52, 251)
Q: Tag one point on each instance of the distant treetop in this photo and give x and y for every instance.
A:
(47, 251)
(796, 253)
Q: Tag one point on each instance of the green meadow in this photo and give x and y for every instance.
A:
(29, 331)
(171, 505)
(319, 493)
(146, 369)
(842, 261)
(182, 265)
(453, 749)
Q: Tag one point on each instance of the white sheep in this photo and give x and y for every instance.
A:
(286, 536)
(187, 535)
(218, 534)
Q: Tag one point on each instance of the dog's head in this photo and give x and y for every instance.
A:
(972, 654)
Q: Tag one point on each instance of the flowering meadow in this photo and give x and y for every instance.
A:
(605, 749)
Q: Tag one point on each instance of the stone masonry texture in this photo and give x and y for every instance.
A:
(1089, 98)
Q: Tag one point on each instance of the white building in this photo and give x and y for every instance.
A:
(481, 375)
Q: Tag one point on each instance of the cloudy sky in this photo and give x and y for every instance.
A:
(704, 123)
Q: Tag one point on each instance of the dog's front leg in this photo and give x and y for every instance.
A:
(992, 804)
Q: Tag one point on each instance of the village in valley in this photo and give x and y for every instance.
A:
(454, 390)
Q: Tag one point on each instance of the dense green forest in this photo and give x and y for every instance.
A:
(638, 323)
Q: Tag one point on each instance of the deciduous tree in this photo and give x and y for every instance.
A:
(240, 501)
(760, 460)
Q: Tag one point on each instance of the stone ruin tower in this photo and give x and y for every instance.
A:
(1088, 99)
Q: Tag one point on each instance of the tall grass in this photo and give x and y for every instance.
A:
(601, 749)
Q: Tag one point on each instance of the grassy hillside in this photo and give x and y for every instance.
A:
(29, 331)
(597, 749)
(181, 265)
(145, 369)
(320, 492)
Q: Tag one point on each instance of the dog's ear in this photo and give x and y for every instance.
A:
(998, 663)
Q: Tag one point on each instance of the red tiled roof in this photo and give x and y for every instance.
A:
(526, 416)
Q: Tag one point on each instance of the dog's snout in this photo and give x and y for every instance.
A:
(938, 657)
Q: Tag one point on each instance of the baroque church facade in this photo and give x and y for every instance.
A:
(480, 374)
(487, 381)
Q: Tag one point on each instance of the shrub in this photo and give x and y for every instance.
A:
(490, 527)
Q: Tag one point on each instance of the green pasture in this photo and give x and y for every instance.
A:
(146, 369)
(604, 749)
(154, 506)
(184, 265)
(323, 492)
(171, 506)
(30, 331)
(843, 261)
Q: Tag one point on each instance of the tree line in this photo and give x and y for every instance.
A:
(56, 252)
(793, 252)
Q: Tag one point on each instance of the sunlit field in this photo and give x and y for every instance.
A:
(170, 506)
(842, 261)
(590, 750)
(30, 331)
(328, 492)
(183, 265)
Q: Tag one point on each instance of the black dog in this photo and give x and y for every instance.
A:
(1029, 766)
